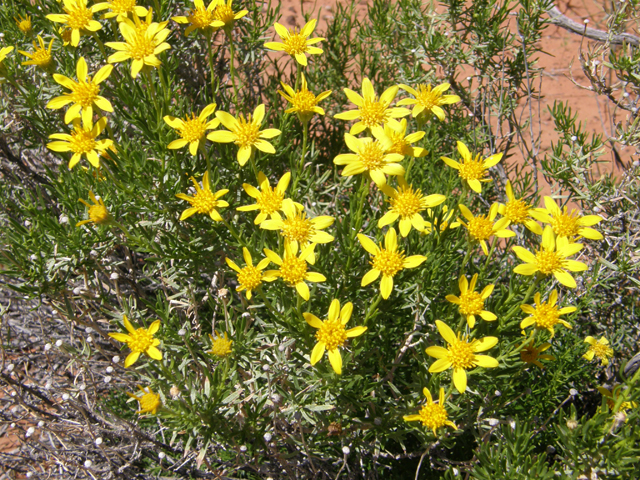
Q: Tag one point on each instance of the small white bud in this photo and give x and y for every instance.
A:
(98, 441)
(98, 198)
(182, 332)
(281, 348)
(346, 450)
(93, 253)
(497, 393)
(63, 219)
(625, 94)
(65, 396)
(246, 315)
(27, 223)
(109, 369)
(29, 474)
(550, 449)
(512, 423)
(13, 393)
(574, 138)
(456, 472)
(47, 386)
(40, 424)
(77, 291)
(161, 455)
(10, 367)
(114, 276)
(243, 448)
(265, 368)
(88, 463)
(636, 163)
(471, 114)
(573, 392)
(275, 398)
(47, 347)
(82, 387)
(89, 339)
(586, 20)
(267, 437)
(88, 330)
(107, 379)
(30, 431)
(115, 359)
(493, 421)
(33, 258)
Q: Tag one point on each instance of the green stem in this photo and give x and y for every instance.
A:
(298, 76)
(254, 167)
(100, 45)
(211, 68)
(300, 168)
(232, 67)
(234, 233)
(372, 309)
(516, 308)
(271, 308)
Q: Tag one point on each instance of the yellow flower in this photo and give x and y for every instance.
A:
(78, 17)
(139, 341)
(370, 156)
(551, 258)
(613, 396)
(569, 224)
(299, 230)
(471, 303)
(250, 277)
(41, 56)
(599, 348)
(120, 9)
(245, 133)
(98, 212)
(149, 401)
(143, 42)
(406, 204)
(199, 18)
(82, 140)
(428, 100)
(432, 415)
(440, 223)
(472, 170)
(331, 333)
(303, 102)
(192, 129)
(204, 201)
(400, 142)
(224, 15)
(519, 212)
(461, 355)
(24, 24)
(531, 354)
(84, 92)
(3, 54)
(371, 111)
(293, 268)
(482, 227)
(296, 43)
(545, 315)
(220, 346)
(65, 34)
(268, 200)
(388, 261)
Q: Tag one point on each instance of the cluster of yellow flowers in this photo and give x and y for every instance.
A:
(377, 156)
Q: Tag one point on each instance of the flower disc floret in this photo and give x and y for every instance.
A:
(545, 315)
(472, 170)
(140, 341)
(82, 140)
(471, 303)
(204, 201)
(250, 277)
(388, 262)
(293, 268)
(428, 100)
(296, 43)
(569, 224)
(482, 227)
(269, 200)
(220, 345)
(598, 348)
(432, 415)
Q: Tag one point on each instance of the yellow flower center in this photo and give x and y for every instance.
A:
(546, 316)
(98, 214)
(601, 351)
(304, 101)
(529, 354)
(122, 6)
(193, 129)
(79, 16)
(373, 113)
(293, 270)
(549, 262)
(248, 133)
(471, 303)
(295, 43)
(221, 347)
(24, 25)
(82, 141)
(372, 156)
(84, 93)
(41, 57)
(565, 224)
(407, 202)
(332, 334)
(142, 45)
(250, 277)
(270, 200)
(225, 14)
(480, 227)
(472, 169)
(433, 415)
(204, 201)
(398, 143)
(140, 340)
(461, 354)
(298, 228)
(517, 211)
(201, 17)
(427, 98)
(149, 402)
(65, 33)
(389, 262)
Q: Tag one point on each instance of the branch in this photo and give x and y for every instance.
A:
(559, 19)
